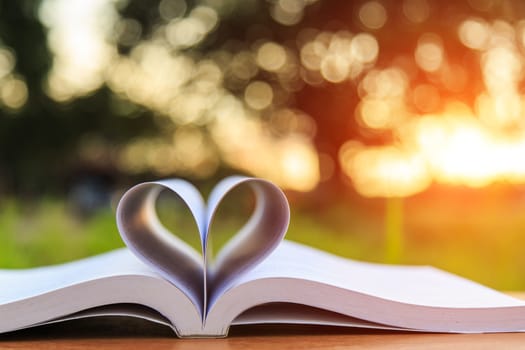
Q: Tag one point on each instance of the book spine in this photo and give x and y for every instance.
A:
(203, 333)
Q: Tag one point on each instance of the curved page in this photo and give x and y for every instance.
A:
(261, 234)
(144, 234)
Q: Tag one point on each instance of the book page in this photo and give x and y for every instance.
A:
(154, 244)
(401, 297)
(262, 233)
(118, 310)
(195, 274)
(288, 313)
(18, 284)
(420, 285)
(24, 283)
(34, 296)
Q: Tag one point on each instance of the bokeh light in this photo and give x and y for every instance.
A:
(271, 56)
(426, 120)
(339, 56)
(258, 95)
(474, 33)
(429, 52)
(416, 11)
(77, 33)
(443, 140)
(13, 93)
(373, 14)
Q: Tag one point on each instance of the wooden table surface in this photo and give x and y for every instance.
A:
(127, 333)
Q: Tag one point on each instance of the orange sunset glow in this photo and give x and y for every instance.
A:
(468, 145)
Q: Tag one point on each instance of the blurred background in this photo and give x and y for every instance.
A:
(396, 128)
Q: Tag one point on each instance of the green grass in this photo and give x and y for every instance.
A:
(482, 239)
(46, 233)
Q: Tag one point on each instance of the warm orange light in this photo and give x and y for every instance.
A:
(373, 14)
(429, 53)
(451, 148)
(473, 146)
(384, 171)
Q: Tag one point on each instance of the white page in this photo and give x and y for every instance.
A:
(154, 244)
(34, 296)
(299, 314)
(24, 283)
(400, 297)
(420, 285)
(165, 253)
(262, 233)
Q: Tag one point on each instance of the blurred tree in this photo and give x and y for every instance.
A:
(333, 105)
(39, 138)
(179, 67)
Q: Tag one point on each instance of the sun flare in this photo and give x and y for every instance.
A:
(462, 145)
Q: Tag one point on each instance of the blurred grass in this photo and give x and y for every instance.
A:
(46, 233)
(481, 239)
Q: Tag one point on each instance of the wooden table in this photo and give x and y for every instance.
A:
(126, 333)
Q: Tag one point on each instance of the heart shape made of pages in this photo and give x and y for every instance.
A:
(175, 260)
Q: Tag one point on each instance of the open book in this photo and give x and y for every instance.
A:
(256, 278)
